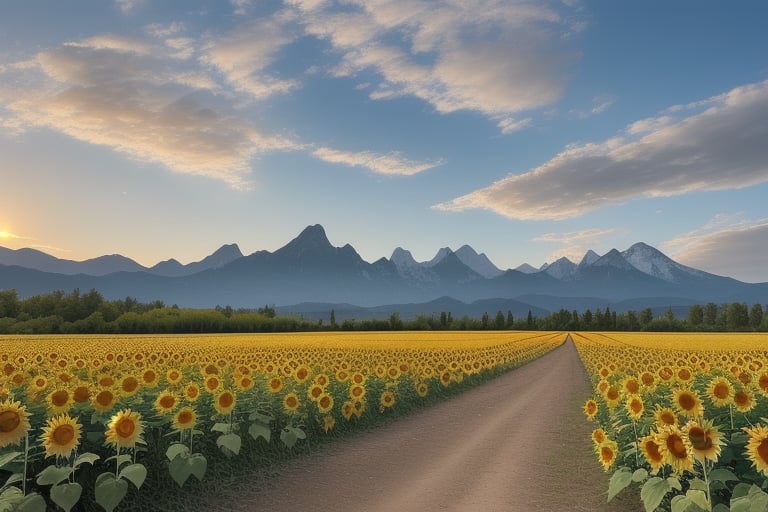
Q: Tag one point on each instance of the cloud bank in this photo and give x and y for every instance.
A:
(720, 147)
(735, 249)
(495, 57)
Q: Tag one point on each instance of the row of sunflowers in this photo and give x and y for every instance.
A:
(681, 416)
(98, 422)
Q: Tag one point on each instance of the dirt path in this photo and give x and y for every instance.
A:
(519, 442)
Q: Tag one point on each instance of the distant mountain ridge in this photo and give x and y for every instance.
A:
(309, 269)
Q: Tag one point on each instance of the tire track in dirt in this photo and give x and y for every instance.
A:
(518, 442)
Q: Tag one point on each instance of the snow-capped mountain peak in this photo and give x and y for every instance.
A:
(653, 262)
(478, 262)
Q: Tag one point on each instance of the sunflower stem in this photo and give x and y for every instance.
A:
(706, 481)
(117, 460)
(637, 445)
(26, 456)
(730, 412)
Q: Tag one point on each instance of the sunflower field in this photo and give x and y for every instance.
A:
(684, 417)
(100, 422)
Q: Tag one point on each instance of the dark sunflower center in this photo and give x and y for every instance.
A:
(676, 446)
(64, 434)
(9, 420)
(125, 428)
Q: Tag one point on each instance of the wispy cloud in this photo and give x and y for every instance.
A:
(574, 243)
(244, 55)
(722, 147)
(109, 91)
(128, 6)
(599, 105)
(491, 56)
(389, 163)
(726, 245)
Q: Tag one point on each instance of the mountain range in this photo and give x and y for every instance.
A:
(309, 275)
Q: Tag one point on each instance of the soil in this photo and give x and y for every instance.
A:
(517, 443)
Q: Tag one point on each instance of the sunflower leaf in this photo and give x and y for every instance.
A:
(620, 479)
(198, 464)
(698, 498)
(257, 430)
(231, 442)
(134, 473)
(110, 492)
(175, 450)
(723, 475)
(32, 502)
(639, 475)
(88, 457)
(653, 491)
(224, 428)
(9, 457)
(66, 495)
(52, 475)
(697, 484)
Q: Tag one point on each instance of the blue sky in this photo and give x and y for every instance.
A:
(528, 130)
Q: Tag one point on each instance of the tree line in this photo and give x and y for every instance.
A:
(91, 313)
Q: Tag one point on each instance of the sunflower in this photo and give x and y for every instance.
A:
(387, 400)
(212, 383)
(325, 403)
(590, 409)
(173, 376)
(104, 400)
(301, 374)
(422, 389)
(673, 445)
(166, 402)
(150, 378)
(291, 402)
(357, 378)
(348, 410)
(744, 400)
(598, 436)
(224, 402)
(762, 383)
(275, 385)
(38, 384)
(191, 392)
(315, 391)
(59, 401)
(244, 383)
(635, 407)
(328, 423)
(129, 385)
(14, 422)
(705, 439)
(606, 452)
(61, 435)
(124, 429)
(664, 416)
(321, 379)
(648, 381)
(683, 375)
(81, 393)
(720, 391)
(631, 386)
(650, 449)
(612, 397)
(688, 403)
(105, 380)
(356, 392)
(757, 447)
(184, 419)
